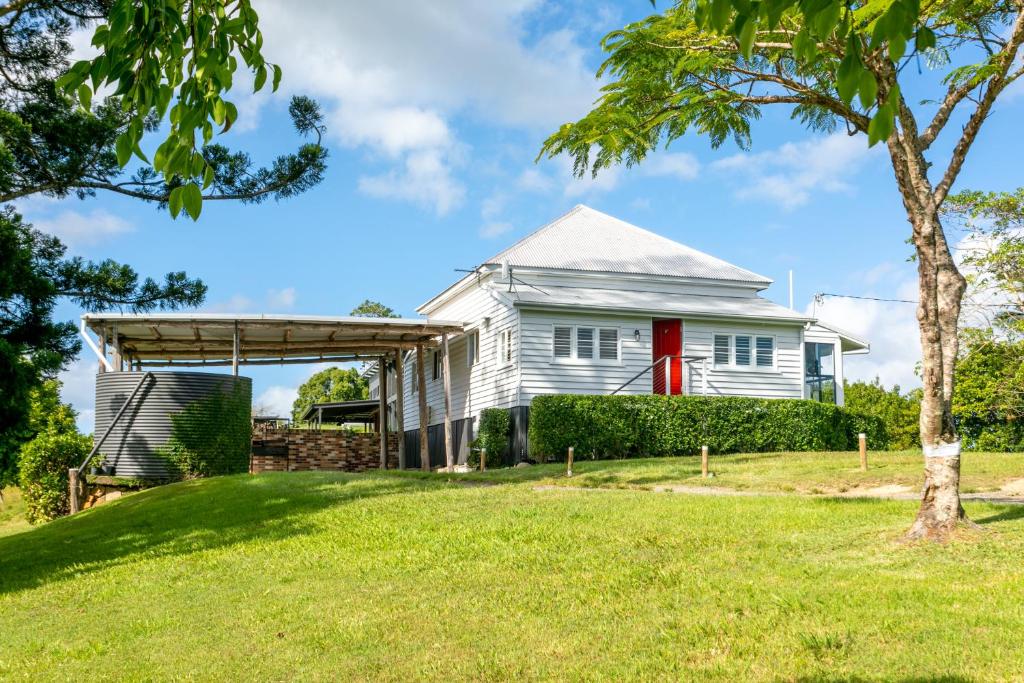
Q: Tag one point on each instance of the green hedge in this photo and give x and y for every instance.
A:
(495, 425)
(212, 435)
(642, 426)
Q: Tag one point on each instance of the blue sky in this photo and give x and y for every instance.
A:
(435, 114)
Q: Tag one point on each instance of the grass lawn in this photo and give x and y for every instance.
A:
(399, 577)
(12, 512)
(812, 473)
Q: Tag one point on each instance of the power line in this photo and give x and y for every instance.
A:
(822, 295)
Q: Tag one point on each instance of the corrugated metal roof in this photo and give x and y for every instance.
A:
(588, 240)
(658, 303)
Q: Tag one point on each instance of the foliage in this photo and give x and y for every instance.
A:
(900, 412)
(988, 400)
(993, 255)
(44, 461)
(330, 385)
(373, 309)
(212, 435)
(516, 583)
(651, 425)
(36, 275)
(495, 428)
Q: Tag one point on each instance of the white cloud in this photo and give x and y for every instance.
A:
(533, 180)
(281, 298)
(277, 400)
(607, 180)
(392, 76)
(79, 389)
(78, 230)
(789, 175)
(681, 165)
(425, 178)
(495, 229)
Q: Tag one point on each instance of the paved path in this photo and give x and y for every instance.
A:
(881, 493)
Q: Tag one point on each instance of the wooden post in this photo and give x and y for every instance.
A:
(668, 376)
(73, 489)
(382, 409)
(103, 349)
(704, 461)
(483, 459)
(446, 372)
(862, 439)
(116, 341)
(400, 406)
(568, 463)
(234, 351)
(421, 384)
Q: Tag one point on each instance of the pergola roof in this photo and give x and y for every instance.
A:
(342, 411)
(190, 339)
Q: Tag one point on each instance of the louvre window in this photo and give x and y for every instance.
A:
(585, 342)
(562, 345)
(765, 352)
(722, 349)
(505, 347)
(609, 344)
(742, 350)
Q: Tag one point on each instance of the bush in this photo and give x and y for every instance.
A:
(212, 435)
(900, 412)
(495, 425)
(43, 470)
(641, 426)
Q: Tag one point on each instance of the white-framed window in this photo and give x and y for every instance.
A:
(504, 346)
(570, 342)
(743, 351)
(472, 348)
(438, 359)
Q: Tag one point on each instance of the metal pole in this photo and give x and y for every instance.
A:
(668, 375)
(234, 352)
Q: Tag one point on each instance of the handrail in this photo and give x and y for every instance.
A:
(685, 358)
(96, 446)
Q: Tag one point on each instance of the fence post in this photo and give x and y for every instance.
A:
(862, 440)
(483, 459)
(568, 465)
(73, 489)
(704, 461)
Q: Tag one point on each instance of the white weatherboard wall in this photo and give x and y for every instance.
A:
(786, 380)
(488, 383)
(542, 374)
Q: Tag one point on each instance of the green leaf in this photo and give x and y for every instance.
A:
(881, 125)
(193, 199)
(720, 11)
(925, 39)
(868, 90)
(85, 97)
(175, 200)
(208, 176)
(747, 36)
(123, 148)
(825, 21)
(261, 78)
(897, 48)
(277, 77)
(848, 77)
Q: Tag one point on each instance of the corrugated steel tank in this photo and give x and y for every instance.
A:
(146, 426)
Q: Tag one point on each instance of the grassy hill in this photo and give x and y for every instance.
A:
(399, 577)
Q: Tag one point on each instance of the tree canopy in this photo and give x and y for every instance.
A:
(373, 309)
(332, 384)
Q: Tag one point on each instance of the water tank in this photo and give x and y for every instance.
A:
(205, 414)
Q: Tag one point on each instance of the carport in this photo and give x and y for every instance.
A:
(143, 342)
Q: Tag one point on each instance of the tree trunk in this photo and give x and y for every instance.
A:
(941, 288)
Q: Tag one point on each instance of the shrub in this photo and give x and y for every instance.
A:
(637, 426)
(900, 412)
(212, 435)
(43, 466)
(495, 425)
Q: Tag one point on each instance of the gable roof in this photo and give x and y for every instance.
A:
(585, 239)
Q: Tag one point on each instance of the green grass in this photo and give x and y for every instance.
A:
(12, 512)
(811, 473)
(401, 577)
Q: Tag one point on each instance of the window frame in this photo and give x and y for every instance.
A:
(753, 366)
(503, 349)
(595, 345)
(472, 348)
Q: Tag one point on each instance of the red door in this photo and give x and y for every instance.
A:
(668, 341)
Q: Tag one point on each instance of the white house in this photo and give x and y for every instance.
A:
(591, 304)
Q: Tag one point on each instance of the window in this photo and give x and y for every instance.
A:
(819, 372)
(505, 347)
(438, 356)
(562, 342)
(766, 352)
(472, 348)
(585, 342)
(742, 350)
(608, 348)
(722, 349)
